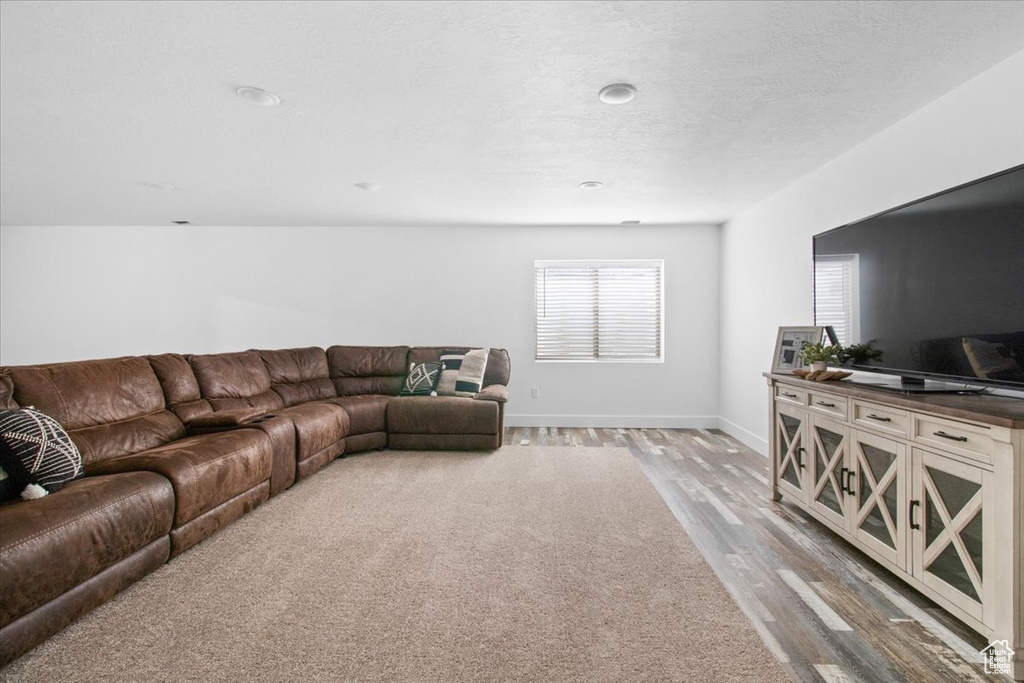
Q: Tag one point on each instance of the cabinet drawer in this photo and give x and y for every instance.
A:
(880, 419)
(788, 394)
(963, 438)
(827, 404)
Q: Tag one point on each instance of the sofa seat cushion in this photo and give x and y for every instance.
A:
(223, 420)
(205, 470)
(318, 426)
(50, 545)
(442, 415)
(368, 412)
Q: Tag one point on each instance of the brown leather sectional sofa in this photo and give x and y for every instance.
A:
(176, 447)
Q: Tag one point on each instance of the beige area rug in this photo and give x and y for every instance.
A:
(528, 564)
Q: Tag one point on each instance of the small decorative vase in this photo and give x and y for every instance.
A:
(819, 366)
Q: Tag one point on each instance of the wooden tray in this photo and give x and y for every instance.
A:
(822, 375)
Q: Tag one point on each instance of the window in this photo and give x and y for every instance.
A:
(598, 310)
(836, 300)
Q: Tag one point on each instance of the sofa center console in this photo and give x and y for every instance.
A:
(931, 487)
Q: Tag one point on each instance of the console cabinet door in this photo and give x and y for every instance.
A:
(878, 496)
(948, 523)
(790, 452)
(828, 471)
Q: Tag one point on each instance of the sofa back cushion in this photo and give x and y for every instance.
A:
(235, 380)
(299, 375)
(368, 369)
(498, 363)
(109, 407)
(7, 401)
(181, 388)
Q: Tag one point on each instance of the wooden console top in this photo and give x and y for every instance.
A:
(1001, 411)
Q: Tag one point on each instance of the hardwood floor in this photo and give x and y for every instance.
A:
(828, 612)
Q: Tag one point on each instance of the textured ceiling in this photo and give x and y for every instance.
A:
(464, 112)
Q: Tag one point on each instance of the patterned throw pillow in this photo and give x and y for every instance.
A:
(463, 373)
(36, 453)
(422, 379)
(7, 491)
(471, 372)
(451, 361)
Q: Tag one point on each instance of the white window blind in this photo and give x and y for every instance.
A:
(598, 310)
(836, 295)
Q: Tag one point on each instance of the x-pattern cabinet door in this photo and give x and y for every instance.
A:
(829, 444)
(948, 521)
(790, 451)
(879, 496)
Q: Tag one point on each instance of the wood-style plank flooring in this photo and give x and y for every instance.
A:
(828, 612)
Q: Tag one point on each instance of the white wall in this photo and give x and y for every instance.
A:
(974, 130)
(69, 293)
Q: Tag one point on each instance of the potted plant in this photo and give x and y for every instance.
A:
(818, 356)
(859, 354)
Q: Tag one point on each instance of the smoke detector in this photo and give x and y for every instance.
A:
(617, 93)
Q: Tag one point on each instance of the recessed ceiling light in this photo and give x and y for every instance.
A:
(165, 187)
(181, 222)
(631, 222)
(617, 93)
(591, 185)
(258, 96)
(368, 186)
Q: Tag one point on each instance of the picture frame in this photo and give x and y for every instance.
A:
(789, 342)
(833, 338)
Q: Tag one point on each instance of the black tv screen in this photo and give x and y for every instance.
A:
(933, 289)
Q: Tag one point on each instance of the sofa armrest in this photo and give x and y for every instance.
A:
(222, 421)
(493, 392)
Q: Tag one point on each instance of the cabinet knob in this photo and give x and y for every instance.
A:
(880, 419)
(827, 405)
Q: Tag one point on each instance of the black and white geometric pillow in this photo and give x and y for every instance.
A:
(37, 454)
(7, 491)
(422, 379)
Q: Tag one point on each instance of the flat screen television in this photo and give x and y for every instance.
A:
(933, 289)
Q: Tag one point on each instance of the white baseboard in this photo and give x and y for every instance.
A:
(747, 438)
(615, 421)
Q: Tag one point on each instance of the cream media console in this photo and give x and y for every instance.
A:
(930, 486)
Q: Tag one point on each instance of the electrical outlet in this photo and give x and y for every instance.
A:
(535, 392)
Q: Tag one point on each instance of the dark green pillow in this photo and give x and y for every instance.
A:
(422, 379)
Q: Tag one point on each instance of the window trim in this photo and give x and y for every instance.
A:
(660, 263)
